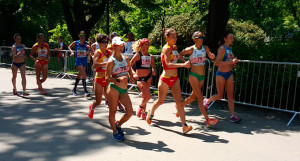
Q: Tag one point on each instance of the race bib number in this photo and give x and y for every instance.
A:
(81, 53)
(175, 56)
(230, 55)
(42, 53)
(146, 61)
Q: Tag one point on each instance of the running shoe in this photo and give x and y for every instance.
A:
(177, 114)
(121, 108)
(211, 122)
(15, 92)
(144, 115)
(186, 129)
(118, 137)
(234, 119)
(139, 111)
(25, 93)
(87, 94)
(149, 117)
(74, 92)
(91, 112)
(120, 131)
(205, 104)
(43, 92)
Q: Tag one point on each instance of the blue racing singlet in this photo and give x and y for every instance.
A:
(228, 55)
(19, 48)
(81, 51)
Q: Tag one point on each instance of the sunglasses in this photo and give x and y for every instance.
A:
(104, 42)
(201, 38)
(82, 35)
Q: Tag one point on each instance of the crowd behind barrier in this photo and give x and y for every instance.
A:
(271, 85)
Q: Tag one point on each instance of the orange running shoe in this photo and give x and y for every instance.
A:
(211, 122)
(186, 129)
(138, 111)
(149, 117)
(144, 115)
(91, 112)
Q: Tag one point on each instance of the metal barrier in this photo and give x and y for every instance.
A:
(271, 85)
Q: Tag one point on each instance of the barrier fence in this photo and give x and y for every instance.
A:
(271, 85)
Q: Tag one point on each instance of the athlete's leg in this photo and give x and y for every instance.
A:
(144, 88)
(113, 99)
(22, 71)
(220, 81)
(176, 92)
(162, 93)
(190, 99)
(197, 86)
(38, 68)
(125, 100)
(230, 89)
(14, 70)
(98, 89)
(45, 73)
(82, 71)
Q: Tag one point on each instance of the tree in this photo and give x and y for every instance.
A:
(218, 17)
(82, 15)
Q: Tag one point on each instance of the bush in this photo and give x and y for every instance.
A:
(185, 24)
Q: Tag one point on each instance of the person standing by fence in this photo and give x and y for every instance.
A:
(18, 54)
(61, 55)
(128, 45)
(169, 79)
(41, 61)
(100, 59)
(118, 68)
(145, 68)
(197, 55)
(81, 54)
(224, 77)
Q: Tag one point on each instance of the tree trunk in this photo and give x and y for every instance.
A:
(218, 17)
(77, 21)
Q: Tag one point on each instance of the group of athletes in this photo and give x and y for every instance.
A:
(113, 66)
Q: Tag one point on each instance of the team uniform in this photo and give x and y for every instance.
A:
(121, 68)
(227, 56)
(198, 58)
(102, 58)
(144, 63)
(81, 54)
(42, 54)
(170, 81)
(22, 54)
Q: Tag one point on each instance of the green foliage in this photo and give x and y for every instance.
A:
(60, 30)
(154, 50)
(185, 24)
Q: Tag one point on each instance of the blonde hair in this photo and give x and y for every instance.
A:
(136, 46)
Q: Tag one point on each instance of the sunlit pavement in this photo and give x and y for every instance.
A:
(56, 127)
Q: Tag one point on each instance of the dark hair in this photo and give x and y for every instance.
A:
(130, 33)
(39, 35)
(101, 37)
(196, 33)
(59, 37)
(92, 38)
(226, 33)
(167, 32)
(16, 34)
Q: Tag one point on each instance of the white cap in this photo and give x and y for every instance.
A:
(117, 41)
